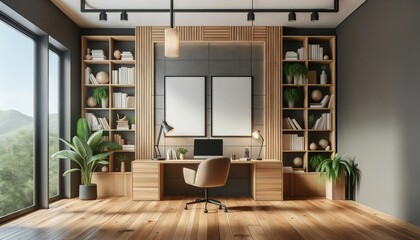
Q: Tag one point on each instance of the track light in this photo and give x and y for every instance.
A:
(314, 16)
(103, 17)
(124, 16)
(292, 16)
(251, 16)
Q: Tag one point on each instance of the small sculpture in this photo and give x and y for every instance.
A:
(323, 143)
(316, 95)
(297, 162)
(88, 56)
(117, 54)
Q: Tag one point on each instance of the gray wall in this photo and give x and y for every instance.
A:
(45, 16)
(378, 114)
(212, 59)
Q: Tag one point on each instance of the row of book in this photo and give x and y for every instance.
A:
(124, 75)
(128, 147)
(316, 52)
(89, 77)
(122, 100)
(98, 54)
(324, 122)
(325, 103)
(118, 139)
(95, 123)
(291, 124)
(171, 154)
(293, 142)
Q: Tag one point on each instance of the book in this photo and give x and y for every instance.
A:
(296, 124)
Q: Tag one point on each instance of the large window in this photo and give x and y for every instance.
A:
(53, 127)
(16, 120)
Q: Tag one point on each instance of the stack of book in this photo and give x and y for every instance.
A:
(122, 100)
(104, 124)
(293, 142)
(128, 147)
(324, 122)
(98, 54)
(325, 103)
(316, 52)
(124, 75)
(122, 124)
(290, 55)
(312, 77)
(291, 124)
(287, 169)
(126, 55)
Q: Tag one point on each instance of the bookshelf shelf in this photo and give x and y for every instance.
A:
(122, 84)
(310, 52)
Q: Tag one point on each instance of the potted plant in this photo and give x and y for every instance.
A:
(122, 158)
(181, 152)
(353, 180)
(289, 71)
(316, 160)
(311, 121)
(300, 73)
(335, 172)
(133, 122)
(291, 95)
(101, 94)
(88, 152)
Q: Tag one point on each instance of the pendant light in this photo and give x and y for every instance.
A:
(172, 38)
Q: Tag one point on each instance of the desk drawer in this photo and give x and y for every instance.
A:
(146, 182)
(145, 193)
(145, 167)
(269, 173)
(269, 165)
(269, 195)
(269, 184)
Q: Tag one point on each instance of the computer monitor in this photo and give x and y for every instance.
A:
(207, 148)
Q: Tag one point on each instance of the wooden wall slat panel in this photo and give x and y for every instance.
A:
(147, 36)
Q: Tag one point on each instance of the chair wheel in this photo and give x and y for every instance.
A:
(220, 207)
(186, 208)
(226, 210)
(205, 211)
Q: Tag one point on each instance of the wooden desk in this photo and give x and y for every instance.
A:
(148, 178)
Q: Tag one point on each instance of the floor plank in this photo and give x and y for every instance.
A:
(122, 218)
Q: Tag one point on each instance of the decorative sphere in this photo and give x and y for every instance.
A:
(313, 146)
(323, 143)
(104, 169)
(117, 54)
(91, 102)
(316, 95)
(297, 161)
(326, 57)
(102, 77)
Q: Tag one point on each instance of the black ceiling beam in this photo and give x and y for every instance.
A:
(256, 10)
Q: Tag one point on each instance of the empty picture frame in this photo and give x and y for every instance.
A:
(231, 106)
(185, 106)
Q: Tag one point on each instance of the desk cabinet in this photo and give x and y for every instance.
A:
(146, 180)
(268, 181)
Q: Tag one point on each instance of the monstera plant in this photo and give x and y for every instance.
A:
(88, 151)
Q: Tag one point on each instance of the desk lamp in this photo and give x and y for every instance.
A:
(165, 128)
(256, 135)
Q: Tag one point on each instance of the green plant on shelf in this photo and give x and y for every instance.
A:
(100, 93)
(311, 120)
(132, 120)
(181, 150)
(335, 167)
(316, 160)
(122, 157)
(291, 95)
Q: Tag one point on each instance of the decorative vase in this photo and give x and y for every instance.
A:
(122, 166)
(291, 104)
(313, 146)
(91, 102)
(289, 79)
(133, 126)
(323, 78)
(297, 162)
(181, 156)
(88, 192)
(336, 190)
(104, 102)
(104, 169)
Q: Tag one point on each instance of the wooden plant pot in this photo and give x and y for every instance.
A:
(336, 190)
(88, 192)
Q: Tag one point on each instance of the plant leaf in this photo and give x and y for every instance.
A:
(97, 157)
(83, 130)
(74, 156)
(70, 171)
(110, 145)
(82, 147)
(94, 140)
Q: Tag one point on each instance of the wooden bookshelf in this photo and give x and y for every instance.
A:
(301, 184)
(109, 44)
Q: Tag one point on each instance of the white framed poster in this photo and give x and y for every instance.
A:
(185, 106)
(231, 106)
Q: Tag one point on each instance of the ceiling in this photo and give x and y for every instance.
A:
(91, 20)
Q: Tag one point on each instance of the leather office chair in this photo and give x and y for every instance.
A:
(210, 173)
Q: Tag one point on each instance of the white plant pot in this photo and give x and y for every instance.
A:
(181, 156)
(291, 104)
(122, 166)
(336, 190)
(289, 79)
(323, 78)
(104, 102)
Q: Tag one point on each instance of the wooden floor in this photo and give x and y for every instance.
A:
(121, 218)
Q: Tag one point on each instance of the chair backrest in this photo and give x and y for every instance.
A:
(212, 172)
